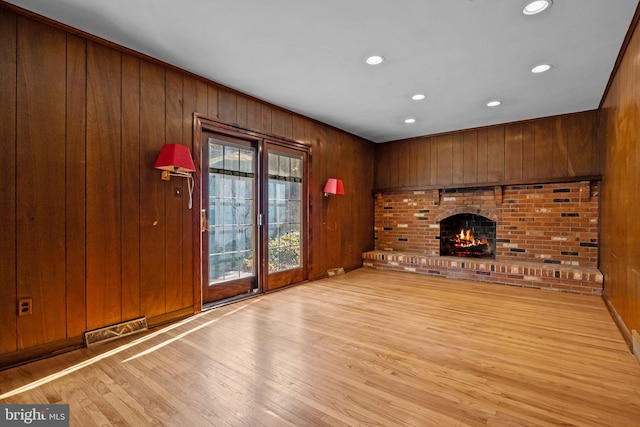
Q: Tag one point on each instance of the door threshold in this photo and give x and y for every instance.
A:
(231, 300)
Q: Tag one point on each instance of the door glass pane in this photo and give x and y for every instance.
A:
(284, 209)
(246, 160)
(296, 167)
(231, 212)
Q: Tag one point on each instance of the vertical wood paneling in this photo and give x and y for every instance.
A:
(387, 165)
(361, 203)
(174, 102)
(338, 244)
(421, 162)
(130, 189)
(559, 147)
(174, 229)
(513, 154)
(265, 125)
(483, 160)
(75, 185)
(104, 290)
(411, 168)
(254, 114)
(41, 181)
(282, 123)
(334, 206)
(198, 105)
(495, 154)
(581, 146)
(201, 90)
(470, 160)
(457, 158)
(241, 115)
(543, 148)
(620, 210)
(382, 166)
(535, 149)
(393, 167)
(278, 122)
(300, 130)
(8, 278)
(212, 101)
(152, 189)
(106, 216)
(403, 161)
(320, 216)
(433, 147)
(227, 106)
(444, 147)
(195, 100)
(631, 292)
(529, 150)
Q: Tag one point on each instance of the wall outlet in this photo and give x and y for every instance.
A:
(25, 306)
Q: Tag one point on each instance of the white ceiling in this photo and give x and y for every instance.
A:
(309, 56)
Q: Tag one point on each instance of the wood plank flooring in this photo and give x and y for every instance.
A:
(369, 348)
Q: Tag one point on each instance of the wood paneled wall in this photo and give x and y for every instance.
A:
(549, 148)
(620, 208)
(89, 231)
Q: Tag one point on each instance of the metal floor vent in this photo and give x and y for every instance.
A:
(109, 333)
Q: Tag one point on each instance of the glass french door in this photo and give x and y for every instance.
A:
(286, 219)
(254, 220)
(230, 204)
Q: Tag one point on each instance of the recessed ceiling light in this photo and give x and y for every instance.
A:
(493, 103)
(375, 60)
(418, 97)
(536, 6)
(541, 68)
(409, 121)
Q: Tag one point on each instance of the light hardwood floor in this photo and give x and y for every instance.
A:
(367, 348)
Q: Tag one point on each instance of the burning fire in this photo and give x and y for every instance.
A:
(466, 240)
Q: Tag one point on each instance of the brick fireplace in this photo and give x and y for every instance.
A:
(546, 235)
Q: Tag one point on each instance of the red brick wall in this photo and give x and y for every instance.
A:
(549, 223)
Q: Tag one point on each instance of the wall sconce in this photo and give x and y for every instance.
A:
(175, 160)
(333, 186)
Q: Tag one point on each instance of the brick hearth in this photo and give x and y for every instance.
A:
(581, 280)
(546, 234)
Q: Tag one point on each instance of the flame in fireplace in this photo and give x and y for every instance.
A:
(465, 236)
(466, 240)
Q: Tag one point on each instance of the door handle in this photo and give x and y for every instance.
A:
(204, 222)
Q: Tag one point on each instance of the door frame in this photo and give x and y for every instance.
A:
(203, 124)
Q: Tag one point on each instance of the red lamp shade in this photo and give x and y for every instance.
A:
(175, 158)
(333, 186)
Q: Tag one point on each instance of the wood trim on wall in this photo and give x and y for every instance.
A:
(489, 184)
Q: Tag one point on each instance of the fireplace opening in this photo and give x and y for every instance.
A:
(468, 235)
